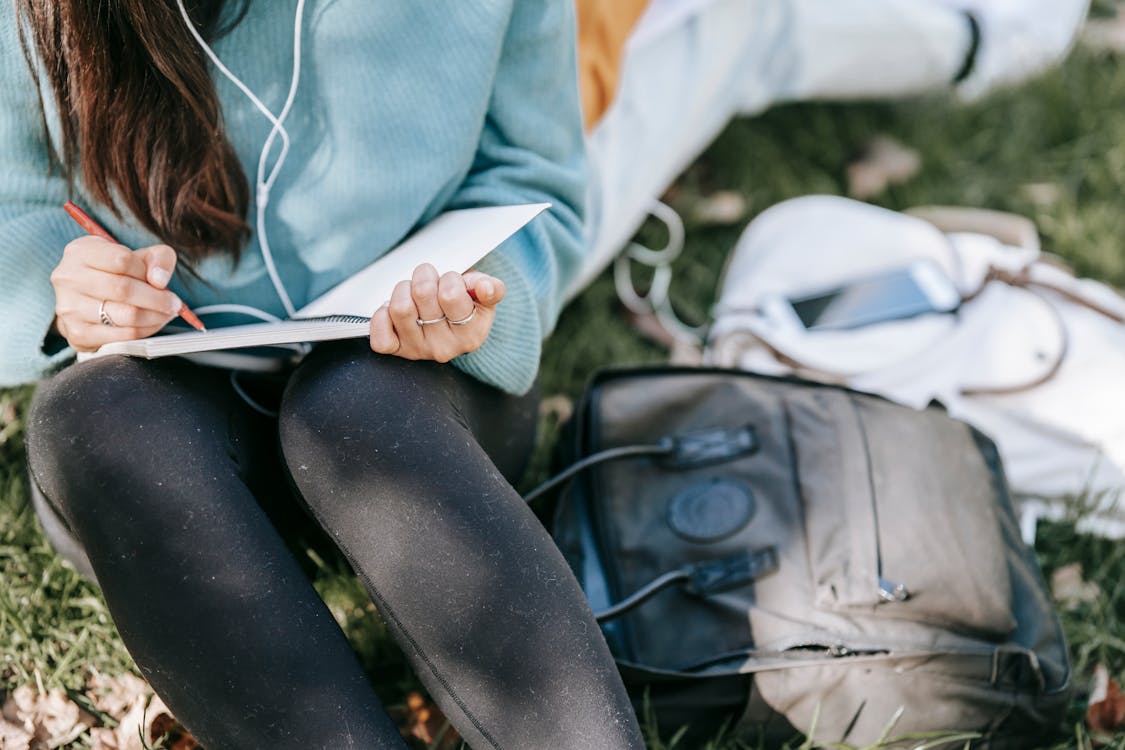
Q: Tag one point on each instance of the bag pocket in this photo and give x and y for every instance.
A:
(650, 516)
(901, 514)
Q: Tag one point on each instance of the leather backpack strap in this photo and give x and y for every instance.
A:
(1023, 279)
(1008, 228)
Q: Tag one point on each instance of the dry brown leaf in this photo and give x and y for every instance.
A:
(162, 725)
(720, 208)
(125, 736)
(139, 712)
(884, 162)
(49, 717)
(116, 696)
(685, 354)
(680, 352)
(35, 719)
(103, 738)
(124, 698)
(13, 737)
(20, 702)
(559, 406)
(1042, 193)
(421, 720)
(1106, 712)
(1070, 589)
(15, 733)
(649, 326)
(1106, 34)
(8, 414)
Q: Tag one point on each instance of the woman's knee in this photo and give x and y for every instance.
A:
(69, 422)
(349, 412)
(96, 423)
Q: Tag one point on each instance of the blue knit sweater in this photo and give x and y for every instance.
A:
(406, 108)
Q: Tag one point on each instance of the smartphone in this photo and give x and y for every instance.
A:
(907, 292)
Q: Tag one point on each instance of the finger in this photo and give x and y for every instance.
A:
(88, 337)
(454, 297)
(472, 335)
(123, 315)
(384, 340)
(103, 255)
(126, 289)
(424, 290)
(404, 316)
(160, 264)
(489, 289)
(459, 306)
(441, 344)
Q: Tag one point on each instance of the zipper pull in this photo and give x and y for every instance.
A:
(889, 591)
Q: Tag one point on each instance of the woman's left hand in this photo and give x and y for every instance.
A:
(435, 318)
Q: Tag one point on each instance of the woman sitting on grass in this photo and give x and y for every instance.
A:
(168, 477)
(402, 447)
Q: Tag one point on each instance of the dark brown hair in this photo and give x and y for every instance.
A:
(141, 120)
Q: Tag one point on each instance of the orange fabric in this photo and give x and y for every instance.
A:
(603, 28)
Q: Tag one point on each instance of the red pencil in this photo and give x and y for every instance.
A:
(84, 220)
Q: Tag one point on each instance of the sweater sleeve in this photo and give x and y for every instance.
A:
(531, 150)
(33, 227)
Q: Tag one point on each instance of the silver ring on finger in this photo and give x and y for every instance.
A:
(103, 316)
(431, 321)
(466, 320)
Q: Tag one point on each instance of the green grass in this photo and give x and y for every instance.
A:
(1067, 130)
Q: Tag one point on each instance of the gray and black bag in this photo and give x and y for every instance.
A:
(792, 557)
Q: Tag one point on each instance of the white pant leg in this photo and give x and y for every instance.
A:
(686, 74)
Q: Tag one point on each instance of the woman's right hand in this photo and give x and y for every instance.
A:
(131, 285)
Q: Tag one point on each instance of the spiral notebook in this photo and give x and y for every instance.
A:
(454, 241)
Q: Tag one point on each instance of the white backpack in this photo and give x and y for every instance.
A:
(1034, 357)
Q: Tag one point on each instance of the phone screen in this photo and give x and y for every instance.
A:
(890, 296)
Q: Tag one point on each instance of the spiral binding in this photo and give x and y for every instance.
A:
(334, 319)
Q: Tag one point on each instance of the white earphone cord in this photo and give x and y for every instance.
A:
(263, 184)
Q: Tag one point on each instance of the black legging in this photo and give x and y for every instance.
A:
(162, 472)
